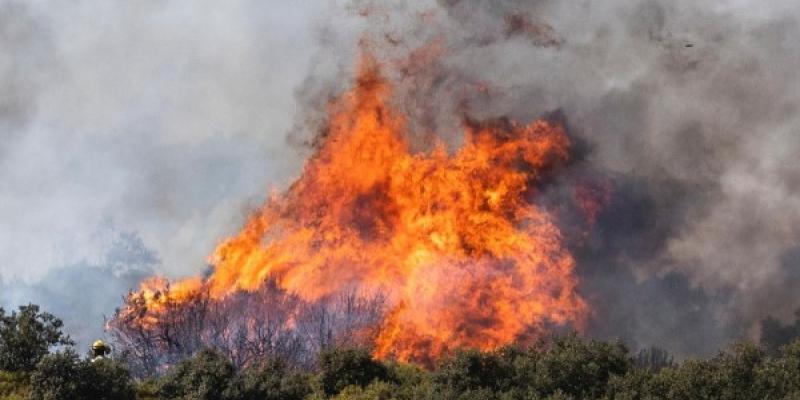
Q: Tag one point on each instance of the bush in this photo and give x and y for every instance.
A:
(472, 370)
(577, 368)
(269, 380)
(63, 376)
(345, 367)
(107, 380)
(57, 377)
(377, 390)
(26, 336)
(13, 385)
(206, 376)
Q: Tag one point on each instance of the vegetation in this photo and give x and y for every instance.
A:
(63, 376)
(562, 368)
(26, 336)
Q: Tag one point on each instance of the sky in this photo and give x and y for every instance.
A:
(154, 124)
(164, 117)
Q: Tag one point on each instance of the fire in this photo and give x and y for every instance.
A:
(454, 241)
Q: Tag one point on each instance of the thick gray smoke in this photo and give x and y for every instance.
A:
(688, 109)
(168, 118)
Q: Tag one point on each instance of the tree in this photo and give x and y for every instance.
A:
(26, 336)
(205, 376)
(106, 380)
(473, 370)
(345, 367)
(57, 377)
(269, 380)
(575, 367)
(63, 376)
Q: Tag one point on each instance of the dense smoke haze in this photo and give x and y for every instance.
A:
(166, 120)
(174, 119)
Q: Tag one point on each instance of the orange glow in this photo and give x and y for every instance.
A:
(462, 254)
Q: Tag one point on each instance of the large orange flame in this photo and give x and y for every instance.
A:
(453, 241)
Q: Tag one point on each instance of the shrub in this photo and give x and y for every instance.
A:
(345, 367)
(377, 390)
(57, 377)
(107, 380)
(269, 380)
(205, 376)
(63, 376)
(472, 370)
(13, 385)
(26, 336)
(577, 368)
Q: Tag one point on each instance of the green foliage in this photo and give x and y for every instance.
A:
(574, 367)
(206, 376)
(565, 368)
(63, 376)
(26, 336)
(411, 382)
(377, 390)
(568, 368)
(472, 370)
(13, 385)
(269, 380)
(107, 380)
(57, 377)
(340, 368)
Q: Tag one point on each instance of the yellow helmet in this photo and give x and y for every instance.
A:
(98, 344)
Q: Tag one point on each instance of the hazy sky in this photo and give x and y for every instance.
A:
(169, 118)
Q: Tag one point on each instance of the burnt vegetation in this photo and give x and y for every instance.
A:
(313, 360)
(246, 327)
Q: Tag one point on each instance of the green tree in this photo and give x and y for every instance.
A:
(63, 376)
(13, 385)
(205, 376)
(340, 368)
(473, 370)
(57, 377)
(781, 375)
(576, 368)
(106, 380)
(269, 380)
(26, 336)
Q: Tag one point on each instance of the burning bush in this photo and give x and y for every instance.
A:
(247, 327)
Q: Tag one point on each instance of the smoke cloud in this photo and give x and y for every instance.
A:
(168, 118)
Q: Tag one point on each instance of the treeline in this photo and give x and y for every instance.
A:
(565, 367)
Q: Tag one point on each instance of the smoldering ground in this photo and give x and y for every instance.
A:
(688, 110)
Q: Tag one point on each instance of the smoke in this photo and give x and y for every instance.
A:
(689, 111)
(168, 118)
(85, 293)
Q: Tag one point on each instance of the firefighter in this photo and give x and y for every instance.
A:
(100, 350)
